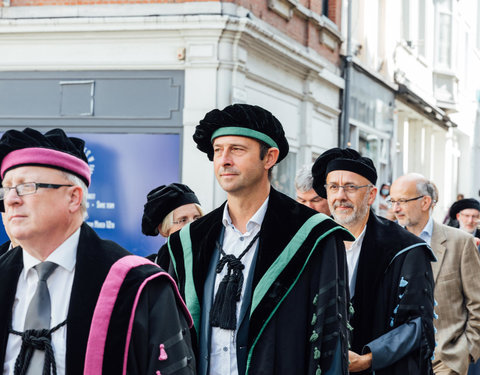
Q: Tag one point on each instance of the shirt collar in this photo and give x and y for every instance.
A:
(65, 255)
(359, 240)
(255, 220)
(428, 229)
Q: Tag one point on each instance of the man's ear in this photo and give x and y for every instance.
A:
(271, 157)
(75, 198)
(372, 195)
(426, 203)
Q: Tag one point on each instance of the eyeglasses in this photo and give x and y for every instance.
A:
(475, 217)
(402, 202)
(348, 188)
(27, 188)
(185, 220)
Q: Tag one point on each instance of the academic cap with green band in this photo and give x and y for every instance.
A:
(241, 120)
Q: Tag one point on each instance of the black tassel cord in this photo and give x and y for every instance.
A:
(36, 339)
(224, 309)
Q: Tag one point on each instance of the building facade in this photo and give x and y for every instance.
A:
(140, 68)
(425, 52)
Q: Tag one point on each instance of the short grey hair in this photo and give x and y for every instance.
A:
(304, 178)
(428, 189)
(77, 181)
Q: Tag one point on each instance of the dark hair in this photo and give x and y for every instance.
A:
(263, 152)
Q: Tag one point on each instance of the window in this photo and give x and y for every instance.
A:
(406, 20)
(444, 34)
(325, 8)
(421, 28)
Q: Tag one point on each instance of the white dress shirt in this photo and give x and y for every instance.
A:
(353, 253)
(59, 285)
(223, 350)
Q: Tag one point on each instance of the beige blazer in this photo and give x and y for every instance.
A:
(457, 292)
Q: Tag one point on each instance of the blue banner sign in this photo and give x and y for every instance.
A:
(125, 167)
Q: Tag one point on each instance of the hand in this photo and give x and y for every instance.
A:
(359, 362)
(477, 241)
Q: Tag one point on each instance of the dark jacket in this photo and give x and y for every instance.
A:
(157, 305)
(393, 300)
(296, 320)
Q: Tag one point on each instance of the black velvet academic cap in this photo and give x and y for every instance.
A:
(463, 204)
(346, 159)
(243, 120)
(161, 201)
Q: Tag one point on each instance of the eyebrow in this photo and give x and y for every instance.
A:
(346, 183)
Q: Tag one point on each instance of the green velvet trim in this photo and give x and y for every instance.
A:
(191, 298)
(244, 132)
(280, 263)
(284, 258)
(171, 256)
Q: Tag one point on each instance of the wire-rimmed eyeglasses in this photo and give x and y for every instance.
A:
(347, 188)
(402, 202)
(28, 188)
(185, 220)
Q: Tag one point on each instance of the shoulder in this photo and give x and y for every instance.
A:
(4, 247)
(290, 209)
(95, 249)
(390, 234)
(393, 241)
(451, 232)
(286, 217)
(204, 229)
(454, 238)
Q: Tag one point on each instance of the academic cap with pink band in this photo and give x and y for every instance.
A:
(54, 149)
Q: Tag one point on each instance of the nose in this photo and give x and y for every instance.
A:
(340, 194)
(11, 197)
(224, 158)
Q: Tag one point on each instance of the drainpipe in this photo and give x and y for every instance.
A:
(347, 73)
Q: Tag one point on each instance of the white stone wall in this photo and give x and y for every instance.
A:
(225, 60)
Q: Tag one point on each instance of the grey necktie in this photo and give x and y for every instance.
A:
(39, 312)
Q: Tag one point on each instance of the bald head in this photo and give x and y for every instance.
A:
(413, 196)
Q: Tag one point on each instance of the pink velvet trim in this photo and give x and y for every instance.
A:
(104, 308)
(46, 156)
(134, 308)
(103, 312)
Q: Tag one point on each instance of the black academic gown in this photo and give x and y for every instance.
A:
(4, 247)
(393, 300)
(296, 316)
(157, 318)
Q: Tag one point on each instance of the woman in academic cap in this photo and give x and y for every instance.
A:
(168, 209)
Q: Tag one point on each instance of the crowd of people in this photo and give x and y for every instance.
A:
(263, 284)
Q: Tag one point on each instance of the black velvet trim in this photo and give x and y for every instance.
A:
(11, 265)
(94, 259)
(378, 251)
(287, 277)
